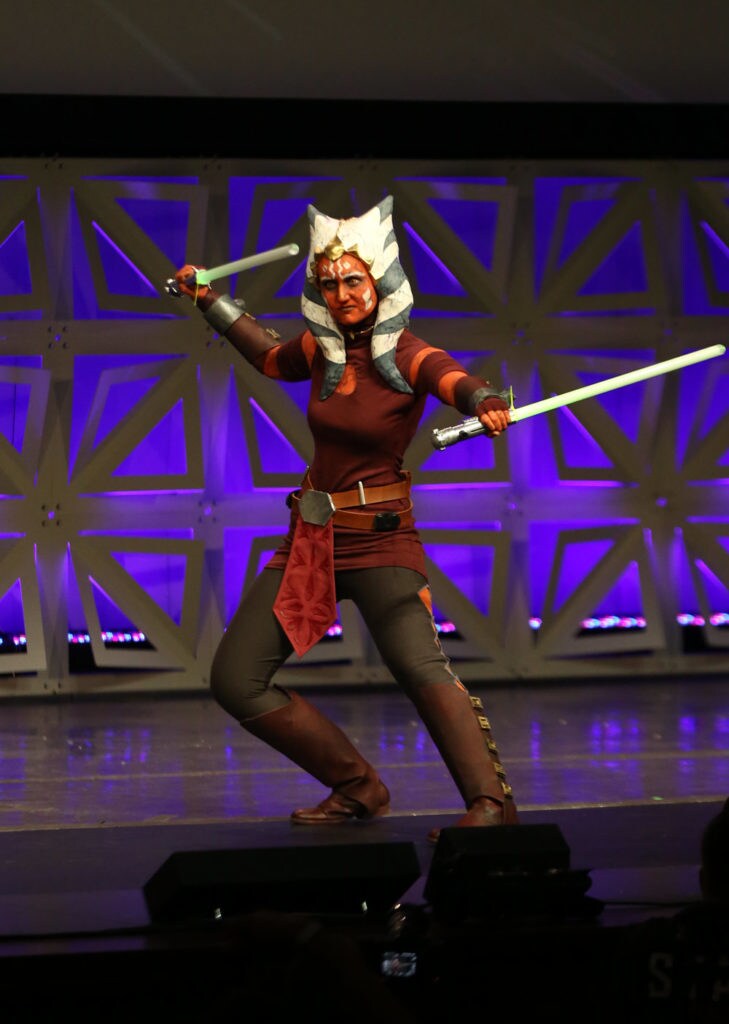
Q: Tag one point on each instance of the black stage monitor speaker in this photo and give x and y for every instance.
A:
(511, 869)
(341, 879)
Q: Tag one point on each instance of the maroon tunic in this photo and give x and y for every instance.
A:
(362, 431)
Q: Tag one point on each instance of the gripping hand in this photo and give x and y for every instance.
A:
(183, 283)
(493, 412)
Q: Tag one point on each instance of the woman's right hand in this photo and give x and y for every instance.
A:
(185, 278)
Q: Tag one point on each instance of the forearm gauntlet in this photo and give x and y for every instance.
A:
(228, 317)
(474, 396)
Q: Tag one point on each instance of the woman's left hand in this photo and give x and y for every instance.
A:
(495, 420)
(494, 415)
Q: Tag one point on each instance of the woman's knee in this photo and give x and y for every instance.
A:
(234, 690)
(250, 651)
(241, 677)
(227, 679)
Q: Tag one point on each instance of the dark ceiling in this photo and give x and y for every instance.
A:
(475, 77)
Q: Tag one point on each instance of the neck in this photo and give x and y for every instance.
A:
(363, 327)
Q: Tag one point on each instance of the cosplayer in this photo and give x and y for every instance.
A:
(352, 533)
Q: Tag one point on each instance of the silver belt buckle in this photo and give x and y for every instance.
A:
(316, 507)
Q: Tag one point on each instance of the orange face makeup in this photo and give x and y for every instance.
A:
(347, 288)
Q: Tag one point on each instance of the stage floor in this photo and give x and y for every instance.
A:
(98, 792)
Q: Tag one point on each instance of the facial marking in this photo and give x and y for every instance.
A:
(347, 288)
(327, 268)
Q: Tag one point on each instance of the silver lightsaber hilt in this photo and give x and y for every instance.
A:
(472, 427)
(447, 436)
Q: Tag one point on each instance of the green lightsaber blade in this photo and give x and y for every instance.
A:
(473, 427)
(204, 277)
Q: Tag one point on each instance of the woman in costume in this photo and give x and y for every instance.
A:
(352, 533)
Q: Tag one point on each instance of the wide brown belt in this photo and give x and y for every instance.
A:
(319, 507)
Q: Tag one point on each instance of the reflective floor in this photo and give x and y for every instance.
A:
(168, 760)
(171, 769)
(97, 794)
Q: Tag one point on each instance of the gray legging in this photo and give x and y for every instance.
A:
(393, 604)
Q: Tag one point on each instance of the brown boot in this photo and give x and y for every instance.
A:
(462, 734)
(316, 744)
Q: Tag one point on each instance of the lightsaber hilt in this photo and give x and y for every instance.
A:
(473, 427)
(447, 436)
(203, 278)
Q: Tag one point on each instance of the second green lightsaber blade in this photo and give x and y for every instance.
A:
(204, 277)
(473, 427)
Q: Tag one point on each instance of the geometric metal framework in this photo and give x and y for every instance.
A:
(144, 466)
